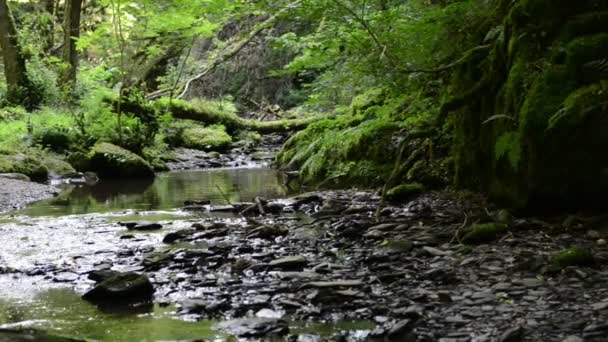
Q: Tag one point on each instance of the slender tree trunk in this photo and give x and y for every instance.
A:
(71, 27)
(19, 87)
(48, 25)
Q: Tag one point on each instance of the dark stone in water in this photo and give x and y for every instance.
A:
(144, 227)
(254, 327)
(178, 235)
(121, 288)
(28, 335)
(290, 263)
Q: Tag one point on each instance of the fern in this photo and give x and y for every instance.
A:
(509, 145)
(599, 66)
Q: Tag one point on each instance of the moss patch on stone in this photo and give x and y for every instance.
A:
(404, 192)
(211, 138)
(111, 161)
(20, 163)
(574, 256)
(482, 233)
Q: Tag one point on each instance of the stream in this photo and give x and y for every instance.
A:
(50, 246)
(308, 267)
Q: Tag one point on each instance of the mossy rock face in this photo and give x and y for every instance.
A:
(111, 161)
(404, 192)
(31, 167)
(212, 138)
(58, 166)
(79, 161)
(575, 256)
(482, 233)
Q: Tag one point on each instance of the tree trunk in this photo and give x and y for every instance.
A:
(19, 87)
(71, 29)
(48, 25)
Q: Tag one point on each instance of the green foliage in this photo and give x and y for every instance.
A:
(509, 145)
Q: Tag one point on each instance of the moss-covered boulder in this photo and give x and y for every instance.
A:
(574, 256)
(211, 138)
(19, 163)
(111, 161)
(404, 192)
(482, 233)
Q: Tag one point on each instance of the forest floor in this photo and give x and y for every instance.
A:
(327, 256)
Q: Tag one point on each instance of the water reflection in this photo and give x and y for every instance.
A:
(167, 191)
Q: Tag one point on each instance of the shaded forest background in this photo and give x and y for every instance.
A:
(507, 97)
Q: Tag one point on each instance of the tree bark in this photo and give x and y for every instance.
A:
(19, 87)
(48, 25)
(71, 29)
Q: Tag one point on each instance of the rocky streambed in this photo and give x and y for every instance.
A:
(319, 266)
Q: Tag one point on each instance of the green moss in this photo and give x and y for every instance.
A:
(111, 161)
(372, 97)
(584, 50)
(57, 165)
(19, 163)
(79, 161)
(586, 24)
(404, 192)
(574, 256)
(481, 233)
(212, 138)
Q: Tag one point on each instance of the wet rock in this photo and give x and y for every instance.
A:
(268, 232)
(178, 235)
(121, 288)
(335, 284)
(573, 338)
(156, 260)
(515, 334)
(101, 275)
(595, 330)
(290, 263)
(402, 331)
(253, 327)
(396, 246)
(204, 307)
(65, 277)
(28, 335)
(142, 226)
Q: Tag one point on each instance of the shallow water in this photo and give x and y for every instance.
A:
(74, 233)
(167, 191)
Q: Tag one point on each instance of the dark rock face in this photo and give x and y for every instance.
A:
(121, 288)
(111, 161)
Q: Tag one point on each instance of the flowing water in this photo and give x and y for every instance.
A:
(54, 242)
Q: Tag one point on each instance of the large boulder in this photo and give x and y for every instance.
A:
(111, 161)
(121, 288)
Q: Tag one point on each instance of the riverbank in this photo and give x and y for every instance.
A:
(323, 257)
(16, 194)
